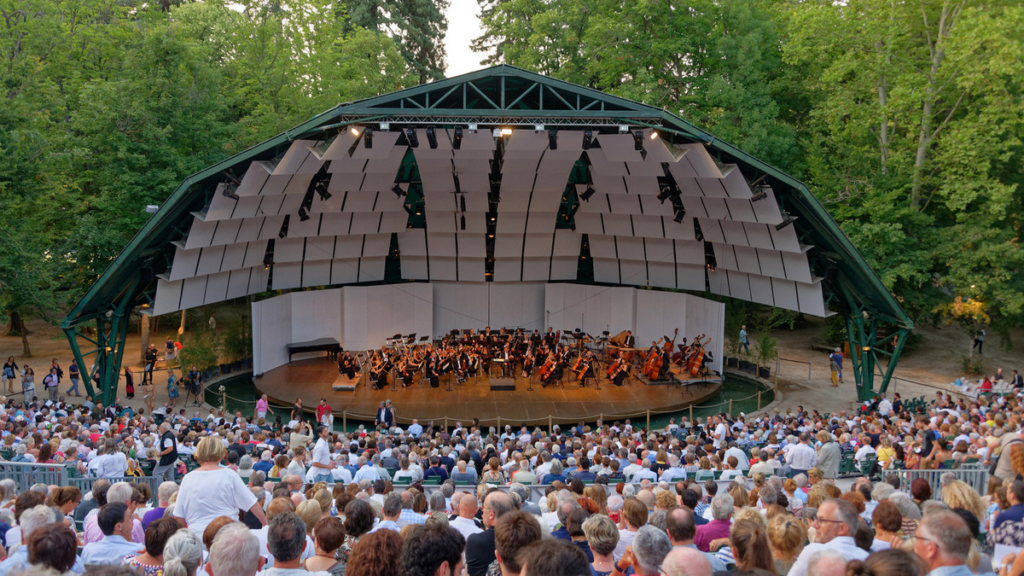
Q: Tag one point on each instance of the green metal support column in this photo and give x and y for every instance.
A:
(901, 340)
(72, 336)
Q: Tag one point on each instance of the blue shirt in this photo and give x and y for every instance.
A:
(1014, 513)
(19, 559)
(111, 550)
(415, 430)
(387, 525)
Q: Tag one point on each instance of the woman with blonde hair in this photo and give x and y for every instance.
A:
(786, 537)
(211, 491)
(957, 494)
(309, 511)
(599, 496)
(739, 494)
(750, 548)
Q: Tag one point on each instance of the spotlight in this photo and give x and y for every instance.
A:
(472, 127)
(397, 190)
(680, 214)
(665, 194)
(303, 215)
(623, 128)
(368, 138)
(789, 220)
(553, 139)
(759, 196)
(587, 194)
(354, 131)
(431, 137)
(588, 139)
(654, 134)
(506, 131)
(410, 135)
(462, 222)
(496, 133)
(462, 203)
(385, 126)
(321, 190)
(229, 191)
(638, 140)
(457, 139)
(538, 128)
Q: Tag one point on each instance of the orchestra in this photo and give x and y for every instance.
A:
(551, 357)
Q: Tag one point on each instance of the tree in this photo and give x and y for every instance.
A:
(421, 29)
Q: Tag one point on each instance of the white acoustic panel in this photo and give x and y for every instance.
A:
(718, 280)
(388, 165)
(259, 280)
(298, 185)
(294, 157)
(785, 239)
(311, 165)
(471, 245)
(700, 160)
(414, 267)
(227, 232)
(342, 143)
(343, 182)
(689, 188)
(761, 290)
(712, 230)
(475, 202)
(747, 260)
(511, 222)
(289, 250)
(508, 269)
(344, 271)
(383, 142)
(348, 246)
(287, 275)
(367, 223)
(606, 270)
(725, 256)
(536, 269)
(252, 182)
(630, 248)
(193, 292)
(168, 296)
(275, 185)
(471, 269)
(316, 273)
(391, 222)
(441, 245)
(539, 223)
(545, 201)
(602, 166)
(739, 285)
(646, 185)
(220, 207)
(249, 230)
(234, 256)
(602, 246)
(439, 221)
(772, 263)
(679, 230)
(690, 277)
(271, 227)
(633, 272)
(625, 204)
(767, 210)
(588, 223)
(617, 225)
(299, 229)
(210, 260)
(247, 206)
(662, 274)
(649, 167)
(758, 236)
(598, 203)
(514, 201)
(567, 243)
(734, 232)
(216, 288)
(715, 208)
(320, 248)
(735, 184)
(564, 267)
(270, 205)
(388, 202)
(371, 269)
(742, 210)
(437, 179)
(537, 245)
(200, 235)
(360, 201)
(712, 187)
(290, 205)
(811, 301)
(610, 185)
(651, 206)
(620, 148)
(238, 283)
(184, 264)
(797, 267)
(785, 294)
(375, 245)
(412, 242)
(508, 246)
(659, 250)
(443, 268)
(691, 252)
(255, 252)
(694, 206)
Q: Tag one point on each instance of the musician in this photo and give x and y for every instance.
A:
(550, 337)
(555, 373)
(620, 375)
(431, 371)
(586, 368)
(665, 364)
(529, 362)
(347, 365)
(630, 340)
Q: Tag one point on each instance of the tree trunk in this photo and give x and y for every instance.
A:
(884, 128)
(26, 352)
(16, 325)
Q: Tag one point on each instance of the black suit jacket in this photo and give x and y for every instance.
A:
(480, 552)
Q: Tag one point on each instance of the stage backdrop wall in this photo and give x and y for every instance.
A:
(363, 317)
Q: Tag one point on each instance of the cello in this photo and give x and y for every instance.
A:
(698, 360)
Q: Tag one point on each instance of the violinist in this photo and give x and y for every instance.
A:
(528, 363)
(347, 365)
(431, 370)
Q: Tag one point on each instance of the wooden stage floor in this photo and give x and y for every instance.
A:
(313, 379)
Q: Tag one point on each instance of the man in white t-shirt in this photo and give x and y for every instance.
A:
(720, 433)
(321, 459)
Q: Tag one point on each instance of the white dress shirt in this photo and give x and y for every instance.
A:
(465, 526)
(741, 457)
(801, 457)
(842, 544)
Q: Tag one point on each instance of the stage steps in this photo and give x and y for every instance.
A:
(343, 384)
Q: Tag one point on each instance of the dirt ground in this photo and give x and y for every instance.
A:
(934, 362)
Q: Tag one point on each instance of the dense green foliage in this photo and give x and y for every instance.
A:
(905, 118)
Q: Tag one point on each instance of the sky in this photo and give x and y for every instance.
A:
(463, 26)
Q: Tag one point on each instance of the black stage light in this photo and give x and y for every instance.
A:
(397, 190)
(553, 139)
(789, 220)
(666, 193)
(368, 137)
(462, 203)
(457, 139)
(431, 137)
(759, 196)
(680, 214)
(284, 227)
(321, 190)
(587, 194)
(638, 140)
(410, 135)
(588, 139)
(229, 191)
(462, 222)
(303, 215)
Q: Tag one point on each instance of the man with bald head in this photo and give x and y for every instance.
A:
(480, 547)
(465, 522)
(686, 562)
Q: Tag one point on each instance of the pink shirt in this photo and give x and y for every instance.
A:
(262, 405)
(94, 534)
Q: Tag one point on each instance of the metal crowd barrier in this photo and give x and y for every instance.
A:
(974, 476)
(26, 474)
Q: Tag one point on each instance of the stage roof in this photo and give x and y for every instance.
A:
(499, 175)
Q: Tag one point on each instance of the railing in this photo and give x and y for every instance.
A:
(973, 475)
(26, 474)
(778, 366)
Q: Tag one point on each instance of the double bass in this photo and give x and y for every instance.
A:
(547, 368)
(581, 367)
(698, 359)
(652, 366)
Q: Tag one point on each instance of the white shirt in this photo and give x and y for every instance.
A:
(206, 495)
(884, 407)
(321, 455)
(625, 541)
(842, 544)
(720, 432)
(465, 526)
(744, 463)
(261, 535)
(730, 474)
(801, 457)
(109, 465)
(863, 452)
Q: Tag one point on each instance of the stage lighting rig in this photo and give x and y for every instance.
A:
(553, 139)
(410, 135)
(457, 139)
(368, 138)
(761, 195)
(587, 194)
(588, 139)
(397, 189)
(638, 140)
(431, 137)
(787, 220)
(230, 190)
(680, 214)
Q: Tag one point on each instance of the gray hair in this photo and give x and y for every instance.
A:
(657, 519)
(556, 467)
(245, 462)
(166, 491)
(257, 478)
(33, 519)
(392, 504)
(949, 531)
(769, 494)
(449, 489)
(650, 546)
(903, 503)
(183, 553)
(120, 492)
(628, 491)
(615, 503)
(932, 507)
(235, 551)
(721, 506)
(564, 509)
(286, 537)
(437, 502)
(826, 562)
(946, 479)
(801, 480)
(259, 492)
(881, 491)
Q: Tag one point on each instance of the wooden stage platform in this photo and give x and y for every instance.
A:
(566, 404)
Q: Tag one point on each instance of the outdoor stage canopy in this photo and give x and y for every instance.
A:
(500, 175)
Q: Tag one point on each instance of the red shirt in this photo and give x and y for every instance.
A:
(322, 409)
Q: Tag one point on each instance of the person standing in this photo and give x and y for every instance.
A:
(321, 460)
(172, 387)
(169, 353)
(10, 370)
(834, 369)
(60, 371)
(74, 374)
(196, 377)
(323, 412)
(213, 322)
(150, 364)
(167, 451)
(129, 382)
(262, 407)
(979, 341)
(744, 341)
(837, 357)
(28, 382)
(51, 383)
